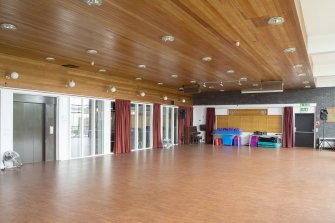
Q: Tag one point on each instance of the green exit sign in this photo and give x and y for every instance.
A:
(304, 105)
(303, 109)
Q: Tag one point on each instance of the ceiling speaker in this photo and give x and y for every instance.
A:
(191, 88)
(323, 114)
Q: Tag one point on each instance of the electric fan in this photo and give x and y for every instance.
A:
(11, 159)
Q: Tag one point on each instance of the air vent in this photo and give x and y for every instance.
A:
(191, 88)
(70, 66)
(266, 87)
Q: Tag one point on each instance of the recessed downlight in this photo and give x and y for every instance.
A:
(206, 59)
(174, 75)
(142, 66)
(160, 83)
(290, 50)
(8, 26)
(92, 51)
(302, 75)
(230, 71)
(93, 2)
(138, 78)
(50, 59)
(193, 81)
(307, 86)
(296, 66)
(276, 20)
(168, 38)
(102, 70)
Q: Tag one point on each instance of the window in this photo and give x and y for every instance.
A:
(86, 127)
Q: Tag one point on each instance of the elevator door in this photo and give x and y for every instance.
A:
(29, 131)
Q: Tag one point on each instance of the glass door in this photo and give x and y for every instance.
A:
(170, 124)
(87, 121)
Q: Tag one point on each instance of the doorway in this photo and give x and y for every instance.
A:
(304, 130)
(34, 128)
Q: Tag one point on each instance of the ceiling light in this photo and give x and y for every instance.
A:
(290, 50)
(193, 82)
(255, 85)
(222, 90)
(204, 85)
(174, 75)
(168, 38)
(276, 20)
(211, 87)
(165, 98)
(138, 78)
(302, 75)
(92, 63)
(181, 89)
(206, 59)
(239, 83)
(142, 93)
(93, 2)
(113, 89)
(13, 75)
(50, 59)
(221, 84)
(230, 71)
(71, 83)
(160, 83)
(307, 86)
(297, 66)
(142, 66)
(305, 82)
(243, 79)
(8, 26)
(92, 51)
(237, 43)
(183, 100)
(102, 70)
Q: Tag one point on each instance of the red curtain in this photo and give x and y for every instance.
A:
(287, 141)
(187, 121)
(157, 136)
(210, 123)
(122, 126)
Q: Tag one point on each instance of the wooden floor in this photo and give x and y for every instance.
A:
(187, 184)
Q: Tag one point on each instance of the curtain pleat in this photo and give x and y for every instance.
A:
(210, 123)
(287, 141)
(157, 136)
(122, 126)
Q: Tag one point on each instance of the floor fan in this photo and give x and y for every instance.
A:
(11, 159)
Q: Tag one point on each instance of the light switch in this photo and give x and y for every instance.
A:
(51, 128)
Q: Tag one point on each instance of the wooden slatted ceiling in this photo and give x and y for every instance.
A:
(128, 32)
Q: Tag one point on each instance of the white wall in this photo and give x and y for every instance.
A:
(63, 128)
(199, 118)
(6, 121)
